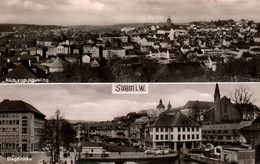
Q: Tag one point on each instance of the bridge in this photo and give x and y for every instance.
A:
(126, 156)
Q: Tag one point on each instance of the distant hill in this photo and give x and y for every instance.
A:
(77, 121)
(13, 27)
(109, 28)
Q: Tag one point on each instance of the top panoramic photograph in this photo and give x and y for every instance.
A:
(104, 41)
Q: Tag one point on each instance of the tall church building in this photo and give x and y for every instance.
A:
(223, 110)
(169, 22)
(160, 108)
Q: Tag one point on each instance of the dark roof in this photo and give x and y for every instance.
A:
(200, 104)
(255, 126)
(18, 106)
(21, 72)
(21, 58)
(174, 120)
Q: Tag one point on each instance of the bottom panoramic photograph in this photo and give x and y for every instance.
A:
(130, 123)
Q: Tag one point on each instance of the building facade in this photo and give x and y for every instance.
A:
(173, 131)
(20, 123)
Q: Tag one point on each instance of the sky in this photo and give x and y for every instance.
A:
(108, 12)
(95, 102)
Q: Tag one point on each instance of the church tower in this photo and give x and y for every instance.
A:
(160, 108)
(216, 94)
(169, 106)
(169, 22)
(217, 110)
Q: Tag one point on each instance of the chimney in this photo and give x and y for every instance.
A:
(38, 59)
(30, 63)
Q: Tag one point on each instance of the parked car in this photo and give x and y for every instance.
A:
(159, 152)
(150, 152)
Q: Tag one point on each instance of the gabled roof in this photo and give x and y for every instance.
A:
(58, 63)
(174, 120)
(18, 106)
(21, 72)
(199, 104)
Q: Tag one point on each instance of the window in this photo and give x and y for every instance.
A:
(220, 137)
(17, 122)
(188, 136)
(13, 129)
(183, 129)
(166, 137)
(179, 129)
(161, 137)
(24, 138)
(219, 131)
(3, 129)
(228, 137)
(161, 129)
(10, 122)
(192, 136)
(24, 130)
(171, 137)
(197, 136)
(24, 122)
(166, 129)
(171, 129)
(157, 137)
(0, 122)
(179, 137)
(157, 129)
(183, 136)
(188, 129)
(197, 129)
(225, 108)
(192, 129)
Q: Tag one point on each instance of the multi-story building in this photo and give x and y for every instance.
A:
(137, 130)
(93, 50)
(20, 123)
(108, 129)
(110, 52)
(173, 130)
(82, 130)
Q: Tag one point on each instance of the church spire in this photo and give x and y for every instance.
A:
(169, 106)
(216, 94)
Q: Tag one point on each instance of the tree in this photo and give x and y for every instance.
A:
(56, 132)
(195, 113)
(241, 98)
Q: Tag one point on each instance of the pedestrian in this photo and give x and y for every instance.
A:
(71, 161)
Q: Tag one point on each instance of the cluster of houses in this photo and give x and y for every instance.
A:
(220, 123)
(204, 43)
